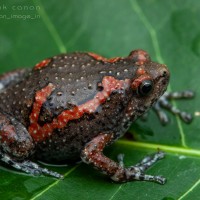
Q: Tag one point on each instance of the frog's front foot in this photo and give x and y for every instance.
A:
(164, 102)
(92, 154)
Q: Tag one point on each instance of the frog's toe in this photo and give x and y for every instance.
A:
(186, 117)
(120, 159)
(148, 161)
(35, 169)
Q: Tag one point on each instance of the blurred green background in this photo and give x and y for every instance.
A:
(169, 30)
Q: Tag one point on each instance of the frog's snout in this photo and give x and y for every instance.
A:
(164, 72)
(163, 76)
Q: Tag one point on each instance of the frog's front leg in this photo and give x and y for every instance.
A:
(16, 145)
(93, 154)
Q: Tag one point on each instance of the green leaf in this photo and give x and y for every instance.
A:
(169, 31)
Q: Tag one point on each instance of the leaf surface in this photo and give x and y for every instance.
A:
(169, 31)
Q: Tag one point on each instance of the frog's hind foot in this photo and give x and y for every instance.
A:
(164, 102)
(137, 171)
(28, 167)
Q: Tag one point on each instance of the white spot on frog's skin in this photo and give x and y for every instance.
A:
(118, 73)
(83, 66)
(89, 86)
(59, 93)
(126, 70)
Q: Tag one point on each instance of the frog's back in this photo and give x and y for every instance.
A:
(75, 77)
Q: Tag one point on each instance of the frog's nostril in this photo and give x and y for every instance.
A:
(164, 73)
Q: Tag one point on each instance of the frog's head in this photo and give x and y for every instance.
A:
(149, 83)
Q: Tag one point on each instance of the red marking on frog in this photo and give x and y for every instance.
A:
(101, 58)
(140, 56)
(39, 133)
(136, 82)
(42, 64)
(9, 134)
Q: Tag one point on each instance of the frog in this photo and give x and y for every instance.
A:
(70, 107)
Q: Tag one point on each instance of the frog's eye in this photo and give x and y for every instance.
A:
(145, 87)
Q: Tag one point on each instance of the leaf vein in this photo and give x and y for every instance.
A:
(190, 190)
(50, 27)
(119, 188)
(54, 183)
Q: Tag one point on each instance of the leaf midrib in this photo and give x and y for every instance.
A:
(170, 149)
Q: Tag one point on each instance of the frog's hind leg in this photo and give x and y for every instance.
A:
(11, 78)
(16, 145)
(93, 154)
